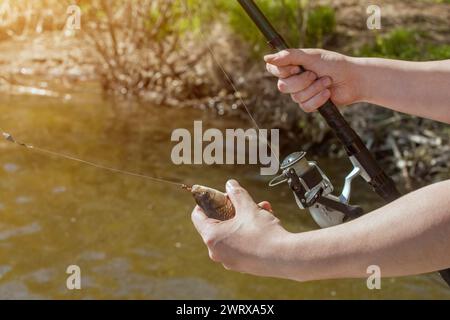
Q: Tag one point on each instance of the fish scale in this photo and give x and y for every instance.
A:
(214, 203)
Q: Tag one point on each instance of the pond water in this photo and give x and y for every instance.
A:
(133, 238)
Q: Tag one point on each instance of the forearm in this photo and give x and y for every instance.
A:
(417, 88)
(408, 236)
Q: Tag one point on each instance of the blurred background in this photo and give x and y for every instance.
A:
(112, 92)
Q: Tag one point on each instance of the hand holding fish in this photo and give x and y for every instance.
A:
(254, 242)
(248, 242)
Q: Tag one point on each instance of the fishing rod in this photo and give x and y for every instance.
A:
(311, 187)
(358, 153)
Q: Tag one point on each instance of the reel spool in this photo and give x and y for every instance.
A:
(313, 190)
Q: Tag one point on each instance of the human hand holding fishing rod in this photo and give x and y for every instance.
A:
(406, 237)
(416, 88)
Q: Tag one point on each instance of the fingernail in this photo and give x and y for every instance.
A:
(295, 70)
(231, 184)
(311, 75)
(269, 57)
(326, 82)
(197, 214)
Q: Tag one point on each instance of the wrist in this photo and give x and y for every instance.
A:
(279, 255)
(295, 257)
(315, 255)
(361, 78)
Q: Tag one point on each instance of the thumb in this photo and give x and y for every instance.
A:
(240, 198)
(289, 57)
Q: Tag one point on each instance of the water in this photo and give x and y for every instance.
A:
(133, 238)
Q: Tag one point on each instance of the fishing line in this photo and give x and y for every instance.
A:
(11, 139)
(227, 76)
(8, 137)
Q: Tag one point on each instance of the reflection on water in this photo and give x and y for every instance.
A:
(19, 231)
(132, 238)
(10, 167)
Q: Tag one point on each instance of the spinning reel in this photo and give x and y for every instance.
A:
(313, 190)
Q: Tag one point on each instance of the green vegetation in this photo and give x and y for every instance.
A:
(321, 24)
(152, 50)
(406, 45)
(300, 23)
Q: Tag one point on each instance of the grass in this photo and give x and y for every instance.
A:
(301, 23)
(405, 44)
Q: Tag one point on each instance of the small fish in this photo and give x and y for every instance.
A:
(214, 203)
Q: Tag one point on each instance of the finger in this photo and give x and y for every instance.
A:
(287, 57)
(265, 205)
(209, 229)
(240, 198)
(297, 83)
(282, 72)
(312, 90)
(213, 256)
(316, 102)
(201, 221)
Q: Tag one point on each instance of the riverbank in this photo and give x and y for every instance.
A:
(415, 151)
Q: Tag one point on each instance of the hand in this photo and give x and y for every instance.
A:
(328, 75)
(250, 242)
